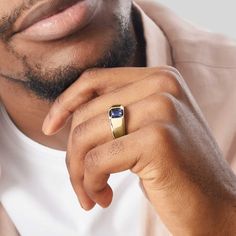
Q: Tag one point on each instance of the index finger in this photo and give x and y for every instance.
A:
(91, 84)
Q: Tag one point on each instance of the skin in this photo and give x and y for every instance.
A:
(173, 151)
(51, 55)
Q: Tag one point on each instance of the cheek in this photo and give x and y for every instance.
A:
(10, 65)
(6, 6)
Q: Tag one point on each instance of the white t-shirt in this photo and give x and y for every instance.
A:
(36, 192)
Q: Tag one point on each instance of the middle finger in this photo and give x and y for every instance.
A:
(97, 131)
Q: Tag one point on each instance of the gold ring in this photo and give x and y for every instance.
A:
(117, 120)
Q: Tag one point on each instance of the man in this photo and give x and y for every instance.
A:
(67, 124)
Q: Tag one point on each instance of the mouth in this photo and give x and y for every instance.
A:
(56, 19)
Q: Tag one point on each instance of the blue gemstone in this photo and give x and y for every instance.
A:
(116, 113)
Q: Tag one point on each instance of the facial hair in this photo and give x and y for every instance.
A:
(50, 84)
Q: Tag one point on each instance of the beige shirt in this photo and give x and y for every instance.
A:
(207, 62)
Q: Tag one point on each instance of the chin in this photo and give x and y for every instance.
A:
(52, 66)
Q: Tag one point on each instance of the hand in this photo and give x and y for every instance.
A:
(168, 145)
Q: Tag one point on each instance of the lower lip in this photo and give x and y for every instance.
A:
(63, 24)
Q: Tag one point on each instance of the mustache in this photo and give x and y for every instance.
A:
(7, 21)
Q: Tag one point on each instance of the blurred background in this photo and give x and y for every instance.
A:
(215, 15)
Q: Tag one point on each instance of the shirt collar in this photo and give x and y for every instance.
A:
(158, 52)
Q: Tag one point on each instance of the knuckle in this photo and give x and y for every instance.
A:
(86, 111)
(88, 77)
(91, 160)
(84, 81)
(162, 107)
(168, 81)
(155, 81)
(116, 147)
(79, 132)
(79, 113)
(159, 134)
(173, 84)
(166, 100)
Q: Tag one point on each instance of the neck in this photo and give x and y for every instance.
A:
(28, 113)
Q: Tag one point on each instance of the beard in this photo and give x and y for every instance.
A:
(49, 84)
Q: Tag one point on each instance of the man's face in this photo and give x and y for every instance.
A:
(46, 44)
